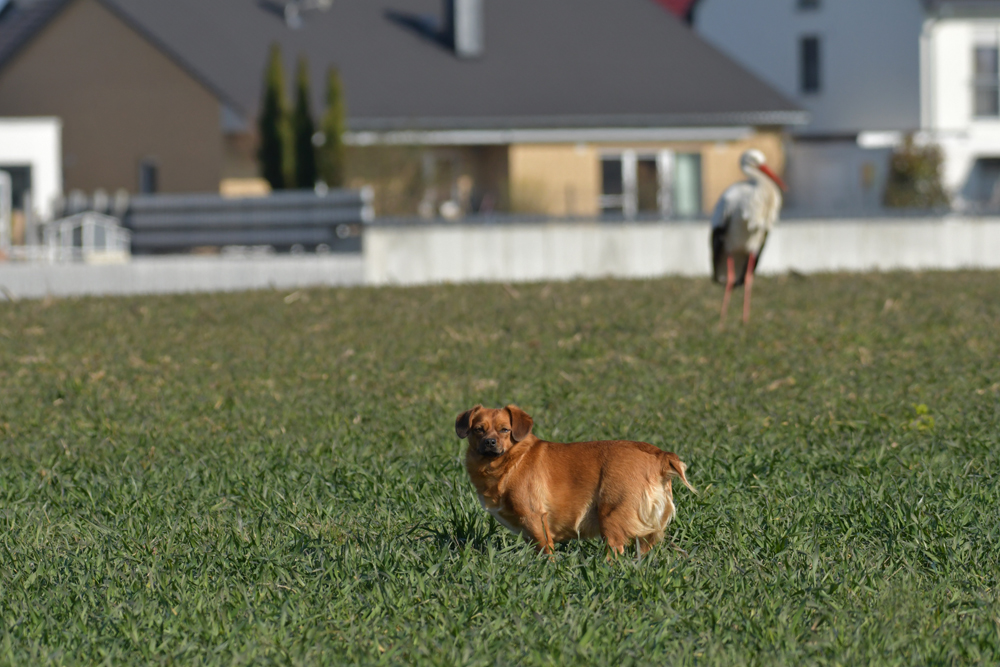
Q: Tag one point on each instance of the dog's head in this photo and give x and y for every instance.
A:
(492, 432)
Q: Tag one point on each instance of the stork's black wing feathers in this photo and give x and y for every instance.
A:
(760, 253)
(719, 253)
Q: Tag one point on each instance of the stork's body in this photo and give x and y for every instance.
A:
(745, 214)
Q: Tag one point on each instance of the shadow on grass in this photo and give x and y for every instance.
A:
(462, 529)
(478, 531)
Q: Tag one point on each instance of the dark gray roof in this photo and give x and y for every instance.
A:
(970, 8)
(548, 63)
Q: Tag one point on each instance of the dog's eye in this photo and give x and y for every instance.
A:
(505, 430)
(479, 429)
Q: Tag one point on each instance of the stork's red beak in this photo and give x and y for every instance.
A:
(773, 176)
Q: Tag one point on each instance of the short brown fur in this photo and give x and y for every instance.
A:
(554, 492)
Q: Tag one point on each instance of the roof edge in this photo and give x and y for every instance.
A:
(550, 136)
(172, 55)
(48, 12)
(632, 121)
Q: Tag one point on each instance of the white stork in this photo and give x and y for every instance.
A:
(746, 212)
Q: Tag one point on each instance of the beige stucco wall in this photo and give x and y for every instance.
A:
(557, 179)
(565, 179)
(121, 101)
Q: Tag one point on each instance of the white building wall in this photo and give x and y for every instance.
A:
(949, 117)
(870, 56)
(949, 76)
(35, 142)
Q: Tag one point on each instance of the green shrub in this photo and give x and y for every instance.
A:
(915, 177)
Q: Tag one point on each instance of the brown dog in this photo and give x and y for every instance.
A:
(552, 492)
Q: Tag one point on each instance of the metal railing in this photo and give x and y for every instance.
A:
(92, 237)
(289, 220)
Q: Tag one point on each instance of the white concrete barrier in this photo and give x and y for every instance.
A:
(413, 254)
(177, 274)
(516, 252)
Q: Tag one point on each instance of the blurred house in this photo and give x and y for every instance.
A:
(869, 72)
(567, 107)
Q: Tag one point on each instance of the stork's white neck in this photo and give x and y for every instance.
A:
(767, 198)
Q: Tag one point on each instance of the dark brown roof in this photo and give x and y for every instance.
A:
(556, 63)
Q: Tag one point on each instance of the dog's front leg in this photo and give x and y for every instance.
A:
(537, 529)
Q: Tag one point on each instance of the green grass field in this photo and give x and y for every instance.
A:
(274, 478)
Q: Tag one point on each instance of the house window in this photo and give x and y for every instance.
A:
(986, 81)
(808, 4)
(661, 183)
(687, 185)
(647, 184)
(612, 185)
(809, 64)
(983, 187)
(148, 177)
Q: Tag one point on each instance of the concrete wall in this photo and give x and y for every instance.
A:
(435, 253)
(121, 101)
(172, 275)
(421, 254)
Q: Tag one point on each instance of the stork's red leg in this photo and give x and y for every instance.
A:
(730, 281)
(748, 285)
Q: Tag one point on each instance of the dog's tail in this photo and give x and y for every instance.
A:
(672, 466)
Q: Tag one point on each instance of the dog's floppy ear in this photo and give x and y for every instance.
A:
(520, 423)
(464, 422)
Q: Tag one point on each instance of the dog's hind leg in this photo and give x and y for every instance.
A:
(613, 533)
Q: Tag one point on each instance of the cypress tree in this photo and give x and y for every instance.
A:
(304, 128)
(273, 123)
(333, 159)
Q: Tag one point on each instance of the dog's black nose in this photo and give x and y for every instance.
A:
(488, 447)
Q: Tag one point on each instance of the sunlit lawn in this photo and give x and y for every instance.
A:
(274, 478)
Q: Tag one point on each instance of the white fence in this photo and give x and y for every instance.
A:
(413, 254)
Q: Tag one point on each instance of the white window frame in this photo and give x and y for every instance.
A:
(629, 199)
(985, 38)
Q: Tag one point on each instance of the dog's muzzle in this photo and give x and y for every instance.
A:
(489, 447)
